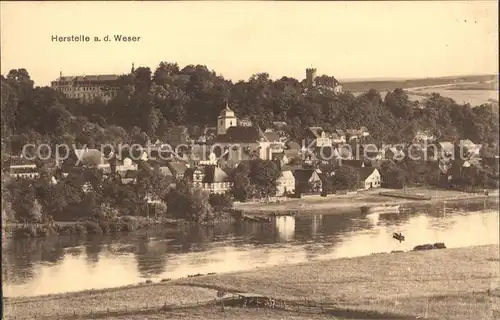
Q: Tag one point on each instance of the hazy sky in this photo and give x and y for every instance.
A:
(238, 39)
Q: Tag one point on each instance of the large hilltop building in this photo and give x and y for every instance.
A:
(88, 87)
(321, 83)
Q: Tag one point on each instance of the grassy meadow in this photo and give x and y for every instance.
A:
(460, 283)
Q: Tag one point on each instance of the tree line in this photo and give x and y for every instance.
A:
(151, 104)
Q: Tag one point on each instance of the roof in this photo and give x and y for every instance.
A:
(90, 157)
(177, 167)
(292, 145)
(340, 132)
(365, 172)
(353, 163)
(447, 146)
(304, 175)
(242, 135)
(272, 136)
(165, 170)
(97, 78)
(316, 131)
(279, 124)
(212, 174)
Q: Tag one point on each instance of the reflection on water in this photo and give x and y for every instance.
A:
(61, 264)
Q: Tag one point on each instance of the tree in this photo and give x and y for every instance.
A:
(392, 176)
(221, 200)
(345, 178)
(242, 188)
(264, 174)
(189, 203)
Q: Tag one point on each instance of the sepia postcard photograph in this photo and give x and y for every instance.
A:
(250, 160)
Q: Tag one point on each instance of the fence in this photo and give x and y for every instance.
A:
(299, 306)
(303, 306)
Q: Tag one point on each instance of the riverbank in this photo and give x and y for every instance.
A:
(343, 203)
(86, 227)
(457, 283)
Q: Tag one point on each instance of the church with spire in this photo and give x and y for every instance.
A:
(225, 120)
(241, 138)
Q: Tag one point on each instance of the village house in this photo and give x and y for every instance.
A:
(369, 178)
(280, 158)
(178, 168)
(230, 157)
(285, 185)
(354, 134)
(22, 168)
(472, 149)
(446, 149)
(318, 137)
(338, 137)
(308, 181)
(211, 179)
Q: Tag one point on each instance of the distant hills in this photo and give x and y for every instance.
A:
(391, 84)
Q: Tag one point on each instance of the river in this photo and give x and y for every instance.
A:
(63, 264)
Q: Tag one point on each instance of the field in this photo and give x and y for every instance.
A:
(215, 313)
(441, 284)
(389, 85)
(473, 90)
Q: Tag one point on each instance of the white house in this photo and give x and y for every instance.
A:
(369, 178)
(210, 178)
(285, 183)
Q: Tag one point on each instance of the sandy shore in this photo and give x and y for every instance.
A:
(342, 203)
(460, 283)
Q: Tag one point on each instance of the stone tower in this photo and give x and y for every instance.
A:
(310, 77)
(225, 120)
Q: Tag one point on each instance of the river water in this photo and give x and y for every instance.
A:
(63, 264)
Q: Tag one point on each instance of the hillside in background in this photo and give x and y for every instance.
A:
(389, 85)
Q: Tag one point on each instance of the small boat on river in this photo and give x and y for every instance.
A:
(380, 209)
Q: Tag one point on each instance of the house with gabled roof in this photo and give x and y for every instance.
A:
(369, 178)
(178, 168)
(318, 136)
(446, 148)
(211, 179)
(307, 181)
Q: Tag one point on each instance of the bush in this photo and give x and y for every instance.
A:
(93, 227)
(221, 200)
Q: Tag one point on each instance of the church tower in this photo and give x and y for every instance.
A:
(225, 120)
